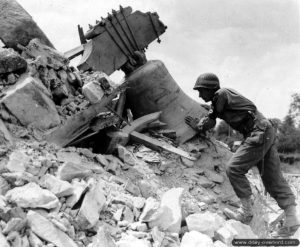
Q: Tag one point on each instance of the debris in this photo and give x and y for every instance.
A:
(157, 145)
(92, 91)
(56, 186)
(121, 138)
(78, 123)
(4, 186)
(3, 241)
(213, 176)
(195, 239)
(93, 202)
(66, 157)
(70, 170)
(15, 224)
(6, 137)
(206, 223)
(47, 231)
(79, 187)
(186, 162)
(47, 55)
(18, 161)
(131, 241)
(126, 156)
(233, 229)
(168, 216)
(103, 239)
(11, 61)
(29, 98)
(218, 243)
(32, 196)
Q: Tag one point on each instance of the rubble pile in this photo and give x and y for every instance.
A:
(42, 70)
(69, 195)
(73, 197)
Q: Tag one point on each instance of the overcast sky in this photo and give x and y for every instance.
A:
(252, 45)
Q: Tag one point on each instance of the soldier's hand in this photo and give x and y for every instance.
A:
(192, 122)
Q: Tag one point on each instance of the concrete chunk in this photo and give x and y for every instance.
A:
(93, 91)
(131, 241)
(91, 207)
(169, 216)
(30, 105)
(32, 196)
(206, 223)
(70, 170)
(213, 176)
(14, 224)
(18, 161)
(195, 239)
(78, 189)
(3, 241)
(11, 61)
(66, 157)
(218, 243)
(234, 229)
(103, 239)
(56, 186)
(47, 231)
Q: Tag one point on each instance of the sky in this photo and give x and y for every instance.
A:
(253, 46)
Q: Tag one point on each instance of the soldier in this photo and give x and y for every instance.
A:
(257, 149)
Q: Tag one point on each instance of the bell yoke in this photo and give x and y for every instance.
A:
(257, 149)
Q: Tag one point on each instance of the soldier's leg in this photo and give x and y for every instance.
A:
(249, 154)
(279, 189)
(273, 180)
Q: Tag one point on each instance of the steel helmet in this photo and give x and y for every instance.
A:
(207, 80)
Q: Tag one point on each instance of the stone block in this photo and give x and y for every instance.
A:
(170, 214)
(233, 229)
(214, 176)
(78, 189)
(195, 239)
(151, 206)
(103, 239)
(218, 243)
(47, 231)
(92, 204)
(206, 223)
(66, 157)
(3, 241)
(131, 241)
(56, 186)
(32, 196)
(92, 91)
(126, 156)
(18, 161)
(11, 61)
(30, 105)
(4, 186)
(70, 170)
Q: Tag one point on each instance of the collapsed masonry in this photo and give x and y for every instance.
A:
(57, 189)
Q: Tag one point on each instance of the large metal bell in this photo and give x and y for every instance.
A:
(152, 89)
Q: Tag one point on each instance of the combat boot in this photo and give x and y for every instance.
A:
(291, 223)
(244, 214)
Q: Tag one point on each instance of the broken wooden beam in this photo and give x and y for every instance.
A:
(74, 52)
(79, 123)
(157, 145)
(122, 137)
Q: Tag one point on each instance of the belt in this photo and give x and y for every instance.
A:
(253, 120)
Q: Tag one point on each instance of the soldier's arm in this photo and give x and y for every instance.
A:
(209, 121)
